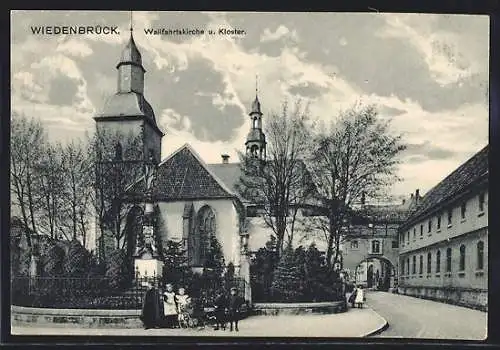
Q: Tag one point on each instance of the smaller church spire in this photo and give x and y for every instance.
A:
(131, 24)
(256, 103)
(256, 85)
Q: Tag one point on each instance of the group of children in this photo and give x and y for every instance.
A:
(174, 306)
(171, 309)
(357, 297)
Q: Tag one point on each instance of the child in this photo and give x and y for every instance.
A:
(182, 301)
(352, 297)
(220, 311)
(360, 297)
(234, 304)
(169, 306)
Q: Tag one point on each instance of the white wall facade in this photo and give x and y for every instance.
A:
(466, 281)
(226, 219)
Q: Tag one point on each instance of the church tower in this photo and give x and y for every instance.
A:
(129, 143)
(256, 140)
(128, 112)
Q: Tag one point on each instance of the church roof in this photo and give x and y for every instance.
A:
(255, 106)
(184, 175)
(131, 54)
(256, 135)
(130, 104)
(464, 177)
(228, 173)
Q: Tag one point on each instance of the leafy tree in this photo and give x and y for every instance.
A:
(356, 156)
(262, 268)
(314, 269)
(52, 256)
(118, 269)
(77, 259)
(229, 277)
(174, 260)
(287, 280)
(279, 185)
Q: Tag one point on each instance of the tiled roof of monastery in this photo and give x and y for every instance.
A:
(184, 175)
(227, 173)
(466, 175)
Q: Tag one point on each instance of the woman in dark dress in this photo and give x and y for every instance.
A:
(150, 315)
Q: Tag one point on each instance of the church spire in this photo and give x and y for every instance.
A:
(256, 140)
(130, 69)
(256, 103)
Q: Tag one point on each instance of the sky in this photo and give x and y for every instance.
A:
(427, 74)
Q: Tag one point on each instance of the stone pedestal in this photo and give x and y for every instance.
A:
(148, 266)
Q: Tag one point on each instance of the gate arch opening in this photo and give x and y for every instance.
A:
(377, 273)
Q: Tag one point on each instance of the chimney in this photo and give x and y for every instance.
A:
(404, 201)
(225, 158)
(417, 196)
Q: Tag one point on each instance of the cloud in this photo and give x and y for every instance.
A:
(280, 33)
(427, 74)
(75, 48)
(439, 50)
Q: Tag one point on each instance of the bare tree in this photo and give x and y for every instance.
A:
(279, 184)
(77, 171)
(27, 144)
(51, 193)
(357, 156)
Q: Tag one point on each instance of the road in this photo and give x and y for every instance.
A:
(354, 323)
(410, 317)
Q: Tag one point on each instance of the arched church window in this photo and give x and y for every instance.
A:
(206, 230)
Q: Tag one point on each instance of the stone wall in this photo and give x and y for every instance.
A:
(275, 309)
(76, 317)
(468, 297)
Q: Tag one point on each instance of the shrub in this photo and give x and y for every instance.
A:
(118, 269)
(287, 280)
(52, 260)
(76, 263)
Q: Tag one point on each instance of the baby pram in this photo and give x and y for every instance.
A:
(185, 316)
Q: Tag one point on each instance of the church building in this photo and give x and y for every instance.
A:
(194, 200)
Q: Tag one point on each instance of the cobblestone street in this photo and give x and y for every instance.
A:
(411, 317)
(354, 323)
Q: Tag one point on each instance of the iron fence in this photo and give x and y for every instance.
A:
(88, 293)
(98, 293)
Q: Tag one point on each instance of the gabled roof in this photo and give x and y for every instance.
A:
(468, 174)
(184, 175)
(229, 173)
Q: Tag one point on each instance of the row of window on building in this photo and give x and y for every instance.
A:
(375, 246)
(463, 213)
(405, 264)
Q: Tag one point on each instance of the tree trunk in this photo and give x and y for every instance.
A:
(30, 204)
